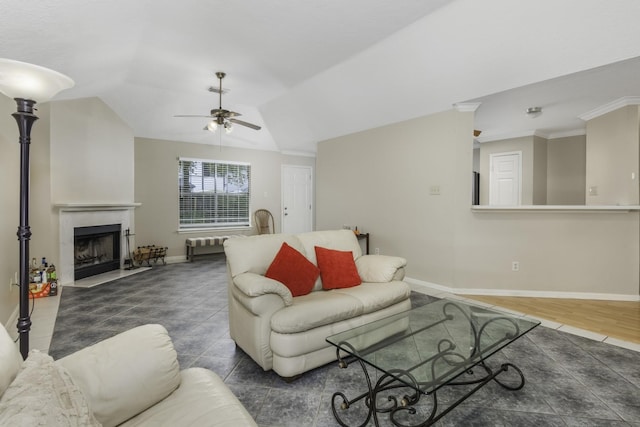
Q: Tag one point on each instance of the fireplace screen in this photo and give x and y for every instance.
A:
(96, 250)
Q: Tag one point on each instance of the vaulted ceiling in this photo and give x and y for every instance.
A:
(310, 70)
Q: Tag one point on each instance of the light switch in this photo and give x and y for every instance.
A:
(434, 190)
(593, 190)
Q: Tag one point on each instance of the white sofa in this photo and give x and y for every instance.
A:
(131, 379)
(288, 334)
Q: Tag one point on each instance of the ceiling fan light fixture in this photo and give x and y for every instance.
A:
(220, 116)
(212, 126)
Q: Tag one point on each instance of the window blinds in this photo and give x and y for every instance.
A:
(213, 194)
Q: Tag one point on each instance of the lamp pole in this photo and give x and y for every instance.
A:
(27, 84)
(25, 118)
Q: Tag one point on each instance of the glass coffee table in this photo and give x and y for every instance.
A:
(416, 353)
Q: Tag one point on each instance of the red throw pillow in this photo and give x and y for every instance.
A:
(337, 268)
(293, 270)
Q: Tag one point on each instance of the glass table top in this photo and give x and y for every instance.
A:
(431, 345)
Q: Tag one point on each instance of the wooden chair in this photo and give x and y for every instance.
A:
(264, 222)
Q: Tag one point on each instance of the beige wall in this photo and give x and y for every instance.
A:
(9, 219)
(91, 153)
(81, 152)
(539, 165)
(612, 156)
(566, 170)
(42, 218)
(156, 187)
(526, 146)
(385, 192)
(379, 180)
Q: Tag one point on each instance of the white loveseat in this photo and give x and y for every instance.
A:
(288, 334)
(131, 379)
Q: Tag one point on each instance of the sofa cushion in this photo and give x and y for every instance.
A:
(201, 400)
(127, 373)
(292, 269)
(44, 394)
(337, 268)
(315, 309)
(376, 296)
(10, 360)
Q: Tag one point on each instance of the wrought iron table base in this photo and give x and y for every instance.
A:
(407, 402)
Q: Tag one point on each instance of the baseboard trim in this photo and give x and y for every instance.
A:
(523, 293)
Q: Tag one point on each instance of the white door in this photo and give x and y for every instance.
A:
(297, 197)
(505, 179)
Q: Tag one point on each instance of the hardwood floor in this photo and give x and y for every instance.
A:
(616, 319)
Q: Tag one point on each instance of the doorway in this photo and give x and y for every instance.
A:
(505, 179)
(297, 199)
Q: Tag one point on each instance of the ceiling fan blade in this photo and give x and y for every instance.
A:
(247, 124)
(219, 115)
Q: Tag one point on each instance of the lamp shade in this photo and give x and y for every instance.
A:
(28, 81)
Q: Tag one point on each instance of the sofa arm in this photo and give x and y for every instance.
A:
(380, 268)
(126, 374)
(254, 285)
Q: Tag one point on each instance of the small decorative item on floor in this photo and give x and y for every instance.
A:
(39, 290)
(148, 253)
(128, 261)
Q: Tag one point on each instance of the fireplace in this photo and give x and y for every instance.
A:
(96, 250)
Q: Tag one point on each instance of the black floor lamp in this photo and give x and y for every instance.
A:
(27, 84)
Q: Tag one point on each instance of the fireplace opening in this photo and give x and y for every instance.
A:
(96, 250)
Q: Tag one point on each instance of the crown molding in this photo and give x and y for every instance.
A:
(568, 133)
(538, 133)
(298, 153)
(466, 107)
(611, 106)
(508, 135)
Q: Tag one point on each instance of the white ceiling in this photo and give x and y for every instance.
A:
(309, 70)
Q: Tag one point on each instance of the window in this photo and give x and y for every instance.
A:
(213, 194)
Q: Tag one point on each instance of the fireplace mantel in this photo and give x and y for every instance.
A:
(83, 214)
(96, 206)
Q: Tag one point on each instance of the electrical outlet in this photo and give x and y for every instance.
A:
(376, 251)
(515, 266)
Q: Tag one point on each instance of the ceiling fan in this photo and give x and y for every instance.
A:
(220, 116)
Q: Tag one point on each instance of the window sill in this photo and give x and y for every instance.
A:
(213, 230)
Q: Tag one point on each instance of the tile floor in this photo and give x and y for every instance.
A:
(46, 309)
(571, 381)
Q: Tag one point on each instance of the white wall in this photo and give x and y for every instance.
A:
(379, 180)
